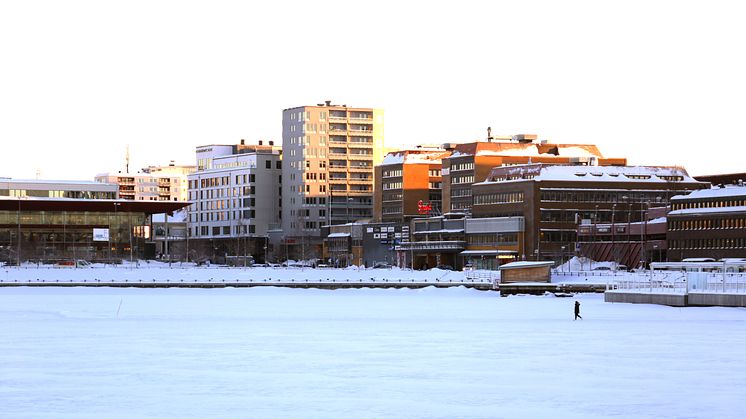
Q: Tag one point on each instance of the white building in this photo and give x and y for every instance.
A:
(153, 183)
(235, 191)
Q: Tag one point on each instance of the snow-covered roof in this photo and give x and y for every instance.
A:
(594, 173)
(393, 158)
(178, 217)
(61, 182)
(442, 231)
(728, 191)
(336, 235)
(716, 210)
(526, 264)
(488, 252)
(418, 156)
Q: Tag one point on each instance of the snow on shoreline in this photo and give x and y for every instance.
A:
(161, 273)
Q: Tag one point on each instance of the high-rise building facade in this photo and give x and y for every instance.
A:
(329, 153)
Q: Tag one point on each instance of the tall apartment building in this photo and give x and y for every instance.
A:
(408, 184)
(471, 163)
(153, 183)
(329, 153)
(235, 193)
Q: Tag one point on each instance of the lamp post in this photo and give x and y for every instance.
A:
(18, 253)
(613, 232)
(266, 245)
(168, 252)
(347, 202)
(643, 231)
(116, 206)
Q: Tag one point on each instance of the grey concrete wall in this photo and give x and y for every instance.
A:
(674, 300)
(724, 300)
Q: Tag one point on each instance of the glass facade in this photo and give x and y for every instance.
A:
(49, 236)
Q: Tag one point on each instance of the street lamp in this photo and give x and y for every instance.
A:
(613, 231)
(348, 208)
(108, 236)
(18, 253)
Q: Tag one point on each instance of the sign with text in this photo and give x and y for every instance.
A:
(101, 234)
(424, 208)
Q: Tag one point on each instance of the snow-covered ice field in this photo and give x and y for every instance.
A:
(368, 353)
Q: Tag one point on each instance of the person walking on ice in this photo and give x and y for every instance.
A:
(577, 310)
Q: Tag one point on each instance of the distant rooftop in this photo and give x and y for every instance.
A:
(727, 191)
(546, 172)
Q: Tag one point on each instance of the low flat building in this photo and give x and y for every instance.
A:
(631, 244)
(709, 223)
(344, 244)
(75, 189)
(434, 242)
(97, 230)
(524, 271)
(554, 199)
(380, 241)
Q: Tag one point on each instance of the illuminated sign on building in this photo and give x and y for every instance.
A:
(424, 208)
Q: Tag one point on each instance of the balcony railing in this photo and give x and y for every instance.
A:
(433, 245)
(360, 169)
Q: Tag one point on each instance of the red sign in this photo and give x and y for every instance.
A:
(424, 208)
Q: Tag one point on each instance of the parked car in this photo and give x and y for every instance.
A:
(382, 265)
(444, 267)
(74, 264)
(602, 268)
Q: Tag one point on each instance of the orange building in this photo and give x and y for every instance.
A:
(408, 184)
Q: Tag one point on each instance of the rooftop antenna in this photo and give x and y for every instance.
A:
(127, 160)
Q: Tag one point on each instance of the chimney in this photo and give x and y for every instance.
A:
(243, 141)
(260, 142)
(271, 143)
(328, 102)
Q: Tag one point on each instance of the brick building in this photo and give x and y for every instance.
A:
(553, 200)
(708, 223)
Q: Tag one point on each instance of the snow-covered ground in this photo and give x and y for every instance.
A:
(368, 353)
(188, 273)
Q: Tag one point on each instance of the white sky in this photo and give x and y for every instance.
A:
(657, 82)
